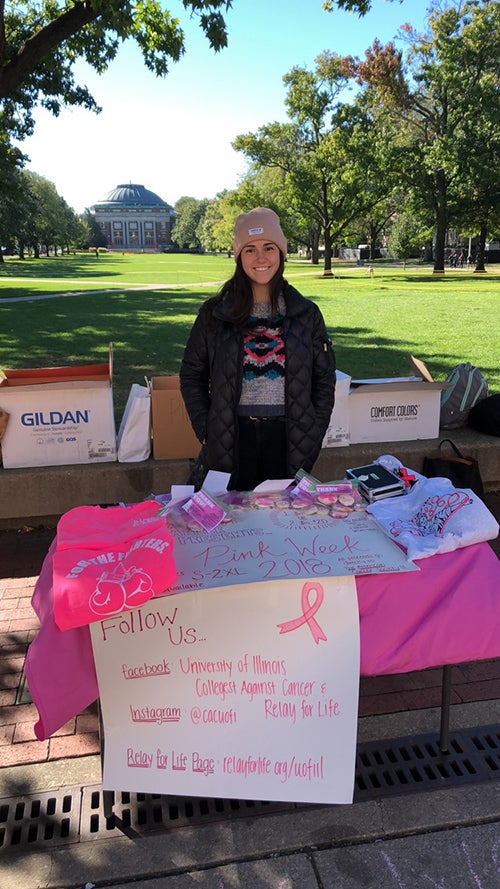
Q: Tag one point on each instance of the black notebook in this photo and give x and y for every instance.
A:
(376, 482)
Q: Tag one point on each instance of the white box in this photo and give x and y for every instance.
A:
(338, 432)
(394, 410)
(58, 416)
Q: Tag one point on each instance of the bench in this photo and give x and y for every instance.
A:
(40, 495)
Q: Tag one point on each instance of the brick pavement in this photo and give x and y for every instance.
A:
(21, 557)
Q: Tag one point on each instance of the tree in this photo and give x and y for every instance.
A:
(264, 187)
(303, 149)
(32, 214)
(91, 234)
(478, 207)
(189, 213)
(405, 238)
(334, 161)
(11, 193)
(215, 230)
(440, 98)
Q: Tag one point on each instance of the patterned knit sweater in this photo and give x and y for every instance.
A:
(263, 388)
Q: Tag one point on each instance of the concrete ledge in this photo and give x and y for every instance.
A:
(40, 495)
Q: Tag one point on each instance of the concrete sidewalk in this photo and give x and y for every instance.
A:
(447, 838)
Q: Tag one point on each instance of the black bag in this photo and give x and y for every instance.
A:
(462, 471)
(485, 415)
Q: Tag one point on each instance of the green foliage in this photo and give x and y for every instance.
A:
(216, 227)
(41, 40)
(406, 237)
(32, 213)
(330, 153)
(443, 98)
(189, 213)
(90, 233)
(359, 6)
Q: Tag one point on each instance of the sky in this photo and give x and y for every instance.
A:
(173, 135)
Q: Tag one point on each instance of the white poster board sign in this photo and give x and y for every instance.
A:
(246, 692)
(281, 545)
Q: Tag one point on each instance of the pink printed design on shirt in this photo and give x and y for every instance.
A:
(433, 515)
(121, 589)
(264, 352)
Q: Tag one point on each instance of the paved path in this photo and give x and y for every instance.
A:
(129, 286)
(113, 288)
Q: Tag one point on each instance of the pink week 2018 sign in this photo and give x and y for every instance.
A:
(281, 545)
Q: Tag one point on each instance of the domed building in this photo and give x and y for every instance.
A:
(133, 218)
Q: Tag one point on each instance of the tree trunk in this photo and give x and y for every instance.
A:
(373, 240)
(314, 246)
(327, 230)
(441, 222)
(481, 247)
(15, 71)
(327, 271)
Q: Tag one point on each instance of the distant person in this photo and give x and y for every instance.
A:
(258, 371)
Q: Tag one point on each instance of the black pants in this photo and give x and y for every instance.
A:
(262, 452)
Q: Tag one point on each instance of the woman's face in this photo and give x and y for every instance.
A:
(260, 261)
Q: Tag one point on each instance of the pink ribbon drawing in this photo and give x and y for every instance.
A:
(308, 612)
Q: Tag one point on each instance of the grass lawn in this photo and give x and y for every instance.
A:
(374, 320)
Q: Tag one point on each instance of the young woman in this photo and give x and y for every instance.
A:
(258, 372)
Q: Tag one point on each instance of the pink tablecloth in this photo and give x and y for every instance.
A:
(446, 613)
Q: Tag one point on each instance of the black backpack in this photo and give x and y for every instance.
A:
(467, 388)
(485, 415)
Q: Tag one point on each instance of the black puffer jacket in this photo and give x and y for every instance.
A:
(211, 376)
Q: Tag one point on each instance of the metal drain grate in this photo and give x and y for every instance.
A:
(416, 763)
(143, 813)
(41, 819)
(383, 768)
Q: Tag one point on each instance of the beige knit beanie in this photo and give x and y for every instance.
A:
(260, 224)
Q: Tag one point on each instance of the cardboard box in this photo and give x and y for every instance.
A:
(395, 409)
(173, 436)
(338, 432)
(58, 415)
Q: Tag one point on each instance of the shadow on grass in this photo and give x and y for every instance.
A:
(386, 356)
(60, 266)
(149, 330)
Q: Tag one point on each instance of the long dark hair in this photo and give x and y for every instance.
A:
(238, 292)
